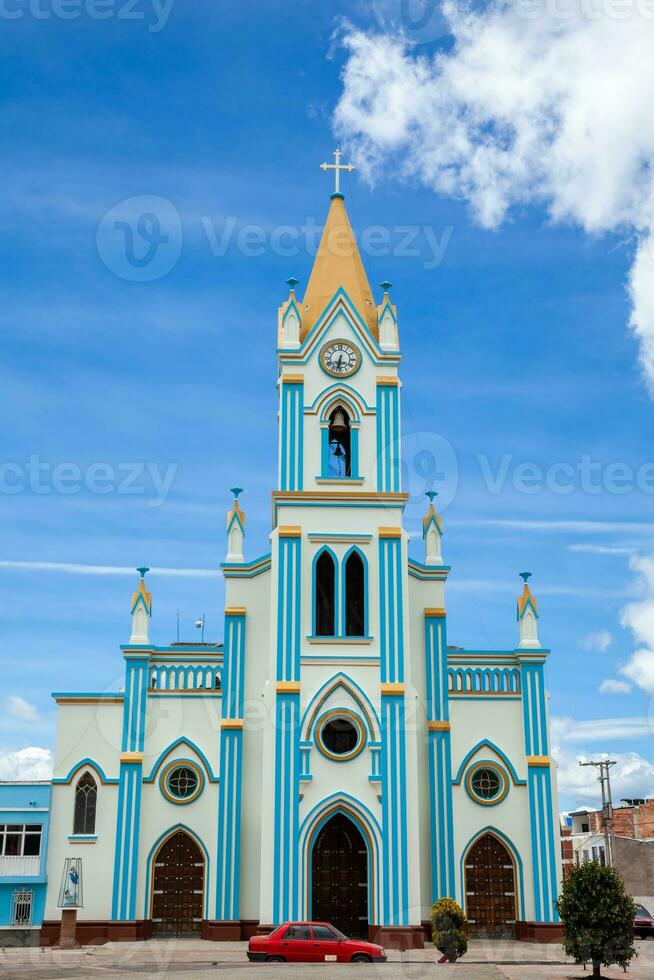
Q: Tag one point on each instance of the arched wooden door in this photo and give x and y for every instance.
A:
(178, 887)
(490, 888)
(339, 877)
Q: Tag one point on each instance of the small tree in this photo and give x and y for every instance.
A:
(598, 917)
(447, 921)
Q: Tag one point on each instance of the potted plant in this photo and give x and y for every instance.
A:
(447, 922)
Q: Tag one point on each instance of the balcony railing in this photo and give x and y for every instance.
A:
(15, 866)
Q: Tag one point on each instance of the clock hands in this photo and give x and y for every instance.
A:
(339, 358)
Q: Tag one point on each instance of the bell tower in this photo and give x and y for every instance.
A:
(339, 580)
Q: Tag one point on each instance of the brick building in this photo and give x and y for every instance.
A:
(582, 839)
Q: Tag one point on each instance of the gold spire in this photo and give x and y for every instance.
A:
(337, 264)
(142, 595)
(526, 598)
(236, 511)
(431, 513)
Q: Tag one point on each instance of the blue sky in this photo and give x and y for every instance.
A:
(515, 345)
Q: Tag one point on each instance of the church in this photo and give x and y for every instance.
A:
(334, 758)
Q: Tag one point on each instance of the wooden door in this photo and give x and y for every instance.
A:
(490, 889)
(339, 877)
(178, 887)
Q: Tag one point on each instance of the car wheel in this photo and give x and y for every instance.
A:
(361, 958)
(275, 959)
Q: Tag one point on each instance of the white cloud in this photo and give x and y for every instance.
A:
(600, 549)
(611, 686)
(569, 731)
(638, 616)
(590, 527)
(20, 708)
(633, 776)
(553, 111)
(640, 669)
(599, 641)
(75, 568)
(30, 763)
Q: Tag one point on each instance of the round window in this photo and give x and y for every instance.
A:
(340, 736)
(182, 783)
(487, 784)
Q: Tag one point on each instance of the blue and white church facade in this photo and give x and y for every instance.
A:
(334, 758)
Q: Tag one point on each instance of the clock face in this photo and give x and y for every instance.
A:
(340, 358)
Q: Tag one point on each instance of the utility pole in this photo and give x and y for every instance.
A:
(607, 804)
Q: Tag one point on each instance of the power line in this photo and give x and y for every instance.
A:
(607, 804)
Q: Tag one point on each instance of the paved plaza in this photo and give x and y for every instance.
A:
(485, 960)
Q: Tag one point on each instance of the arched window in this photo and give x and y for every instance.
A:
(355, 607)
(86, 795)
(325, 595)
(340, 455)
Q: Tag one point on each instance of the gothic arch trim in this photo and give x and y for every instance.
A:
(340, 301)
(515, 855)
(367, 825)
(346, 400)
(149, 866)
(487, 744)
(332, 393)
(91, 764)
(310, 717)
(150, 778)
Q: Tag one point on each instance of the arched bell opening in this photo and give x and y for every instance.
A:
(340, 444)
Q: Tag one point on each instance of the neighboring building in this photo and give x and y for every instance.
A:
(633, 819)
(582, 837)
(24, 812)
(567, 849)
(335, 758)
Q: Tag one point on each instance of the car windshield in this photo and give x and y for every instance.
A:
(641, 910)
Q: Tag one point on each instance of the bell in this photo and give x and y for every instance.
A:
(339, 424)
(338, 451)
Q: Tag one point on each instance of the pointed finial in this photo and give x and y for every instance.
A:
(525, 576)
(431, 494)
(142, 570)
(292, 282)
(386, 285)
(236, 491)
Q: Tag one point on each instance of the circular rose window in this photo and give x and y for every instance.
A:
(487, 784)
(340, 736)
(182, 783)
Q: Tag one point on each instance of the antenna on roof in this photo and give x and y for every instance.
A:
(178, 625)
(199, 624)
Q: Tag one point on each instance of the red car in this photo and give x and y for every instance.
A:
(643, 923)
(312, 942)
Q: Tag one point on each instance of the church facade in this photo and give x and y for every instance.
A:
(334, 758)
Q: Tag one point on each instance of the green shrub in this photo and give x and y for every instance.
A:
(447, 922)
(598, 917)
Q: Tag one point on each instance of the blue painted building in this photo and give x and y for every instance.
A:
(24, 820)
(334, 758)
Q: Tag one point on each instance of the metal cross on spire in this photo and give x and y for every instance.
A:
(337, 167)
